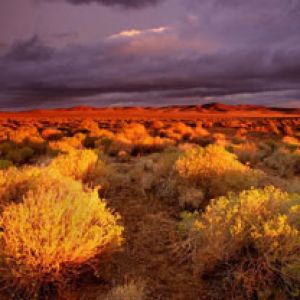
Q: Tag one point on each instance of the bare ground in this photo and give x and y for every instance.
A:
(148, 253)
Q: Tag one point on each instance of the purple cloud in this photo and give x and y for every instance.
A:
(233, 50)
(120, 3)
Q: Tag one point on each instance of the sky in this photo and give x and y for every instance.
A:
(63, 53)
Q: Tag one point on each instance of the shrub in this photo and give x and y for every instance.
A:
(249, 153)
(20, 155)
(37, 144)
(251, 241)
(215, 171)
(190, 198)
(184, 130)
(68, 144)
(52, 134)
(129, 291)
(291, 141)
(91, 126)
(47, 237)
(76, 164)
(103, 144)
(22, 133)
(16, 153)
(16, 183)
(220, 139)
(199, 131)
(134, 132)
(285, 164)
(134, 139)
(5, 164)
(164, 183)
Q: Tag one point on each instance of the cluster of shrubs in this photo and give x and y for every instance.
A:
(122, 139)
(249, 243)
(51, 225)
(240, 234)
(279, 159)
(18, 154)
(193, 176)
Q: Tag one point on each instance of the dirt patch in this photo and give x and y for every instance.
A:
(148, 253)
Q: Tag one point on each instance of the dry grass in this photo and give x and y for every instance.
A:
(129, 291)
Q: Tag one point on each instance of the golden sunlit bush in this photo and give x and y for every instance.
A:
(47, 237)
(290, 140)
(129, 291)
(184, 130)
(134, 132)
(77, 164)
(157, 125)
(134, 139)
(220, 139)
(91, 126)
(52, 134)
(215, 171)
(249, 240)
(16, 183)
(199, 131)
(22, 133)
(178, 132)
(68, 144)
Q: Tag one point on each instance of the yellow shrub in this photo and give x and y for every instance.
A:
(290, 140)
(16, 183)
(92, 126)
(134, 132)
(68, 144)
(76, 164)
(199, 131)
(47, 237)
(250, 239)
(22, 133)
(135, 139)
(215, 171)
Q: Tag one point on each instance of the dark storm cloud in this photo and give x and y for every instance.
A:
(220, 49)
(120, 3)
(101, 70)
(30, 50)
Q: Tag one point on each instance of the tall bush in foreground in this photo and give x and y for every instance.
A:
(251, 241)
(215, 170)
(16, 183)
(47, 237)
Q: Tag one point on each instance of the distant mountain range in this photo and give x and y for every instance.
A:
(177, 111)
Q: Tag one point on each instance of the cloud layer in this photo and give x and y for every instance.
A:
(121, 3)
(238, 51)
